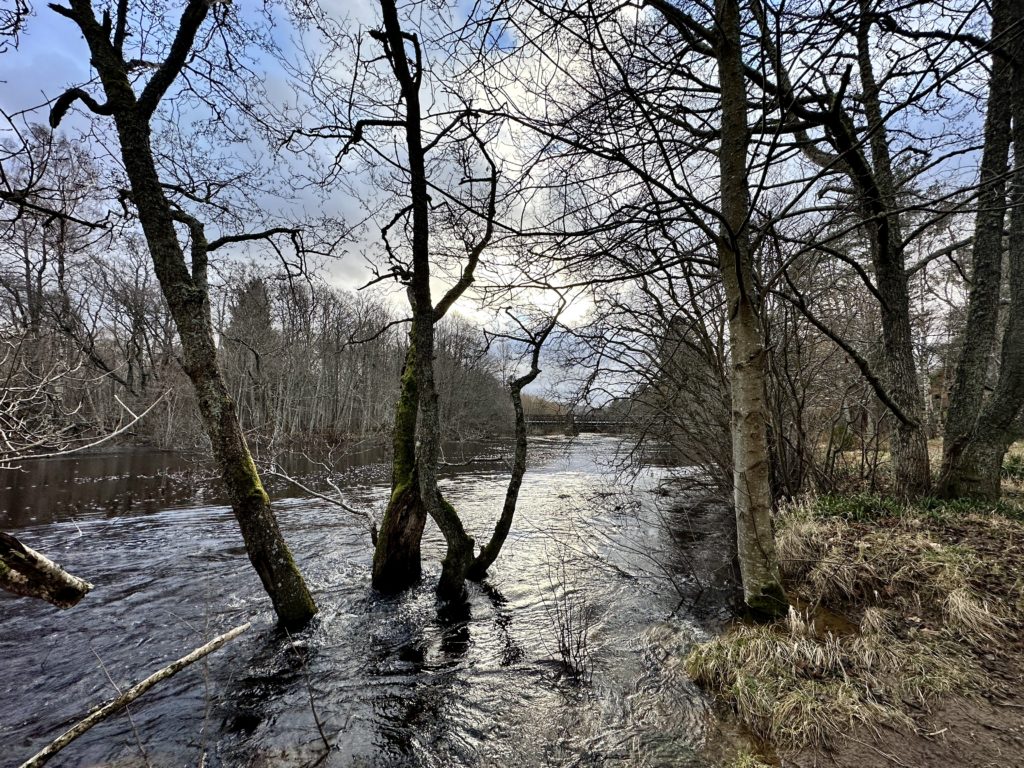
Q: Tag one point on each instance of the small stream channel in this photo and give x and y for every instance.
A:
(591, 556)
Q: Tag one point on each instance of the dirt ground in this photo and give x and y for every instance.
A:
(960, 733)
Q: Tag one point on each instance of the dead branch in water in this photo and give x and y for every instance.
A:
(126, 698)
(371, 524)
(25, 572)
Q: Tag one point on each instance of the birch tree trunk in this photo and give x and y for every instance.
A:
(25, 572)
(759, 568)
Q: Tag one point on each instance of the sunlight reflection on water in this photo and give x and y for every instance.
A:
(392, 683)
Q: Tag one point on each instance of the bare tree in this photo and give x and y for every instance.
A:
(34, 425)
(185, 287)
(534, 339)
(759, 565)
(634, 165)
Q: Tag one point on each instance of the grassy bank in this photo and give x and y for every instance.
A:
(897, 607)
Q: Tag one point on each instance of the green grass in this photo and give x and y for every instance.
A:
(745, 760)
(868, 508)
(1013, 467)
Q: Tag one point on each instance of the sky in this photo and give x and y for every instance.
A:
(52, 56)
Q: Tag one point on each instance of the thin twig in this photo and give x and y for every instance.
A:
(127, 711)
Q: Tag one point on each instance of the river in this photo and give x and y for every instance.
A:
(594, 557)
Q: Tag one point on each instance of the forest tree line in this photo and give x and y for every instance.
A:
(307, 363)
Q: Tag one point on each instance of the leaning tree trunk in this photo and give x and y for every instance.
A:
(188, 301)
(489, 552)
(187, 298)
(27, 573)
(759, 567)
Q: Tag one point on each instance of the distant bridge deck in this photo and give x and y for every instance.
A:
(575, 425)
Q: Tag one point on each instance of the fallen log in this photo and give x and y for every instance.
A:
(23, 571)
(115, 705)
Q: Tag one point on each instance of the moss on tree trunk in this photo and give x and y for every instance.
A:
(185, 288)
(396, 557)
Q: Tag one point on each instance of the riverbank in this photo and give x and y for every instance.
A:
(905, 648)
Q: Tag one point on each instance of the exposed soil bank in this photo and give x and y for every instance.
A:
(904, 647)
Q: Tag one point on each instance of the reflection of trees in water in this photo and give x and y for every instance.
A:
(411, 694)
(511, 651)
(274, 670)
(415, 679)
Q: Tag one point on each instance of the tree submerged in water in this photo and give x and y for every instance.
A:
(185, 285)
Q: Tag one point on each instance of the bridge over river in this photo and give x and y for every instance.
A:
(574, 425)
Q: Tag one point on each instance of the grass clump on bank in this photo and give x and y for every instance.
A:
(895, 605)
(746, 760)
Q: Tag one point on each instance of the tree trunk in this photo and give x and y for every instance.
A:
(25, 572)
(971, 460)
(909, 446)
(876, 189)
(489, 553)
(396, 558)
(459, 554)
(975, 471)
(187, 298)
(909, 442)
(759, 568)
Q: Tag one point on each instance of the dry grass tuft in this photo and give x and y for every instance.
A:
(798, 691)
(971, 618)
(916, 589)
(746, 760)
(874, 622)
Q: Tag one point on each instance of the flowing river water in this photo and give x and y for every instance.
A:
(568, 655)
